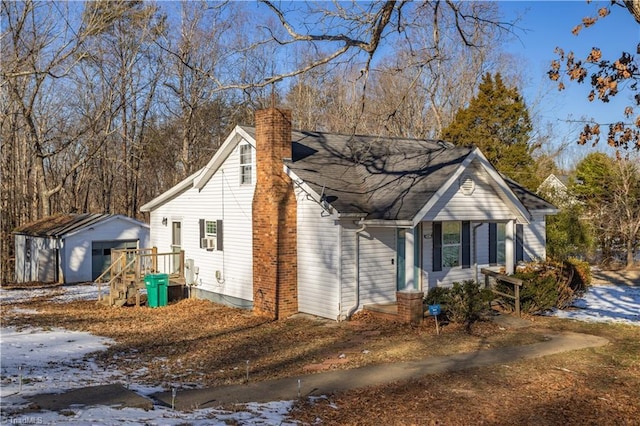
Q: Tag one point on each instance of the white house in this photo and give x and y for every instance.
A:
(74, 247)
(555, 188)
(291, 221)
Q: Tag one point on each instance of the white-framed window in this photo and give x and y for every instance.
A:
(210, 228)
(211, 237)
(501, 238)
(451, 244)
(246, 164)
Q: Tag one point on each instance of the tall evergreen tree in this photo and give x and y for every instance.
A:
(497, 121)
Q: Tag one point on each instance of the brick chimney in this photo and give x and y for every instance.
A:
(275, 269)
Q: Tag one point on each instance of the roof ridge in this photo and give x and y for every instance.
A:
(368, 136)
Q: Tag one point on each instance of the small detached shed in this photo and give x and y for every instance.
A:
(70, 248)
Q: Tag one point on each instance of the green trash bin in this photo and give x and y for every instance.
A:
(163, 289)
(157, 289)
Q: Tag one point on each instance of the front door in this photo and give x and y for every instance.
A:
(176, 245)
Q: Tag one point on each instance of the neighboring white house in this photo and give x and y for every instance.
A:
(555, 188)
(74, 247)
(292, 221)
(557, 183)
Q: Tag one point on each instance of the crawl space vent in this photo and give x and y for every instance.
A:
(467, 185)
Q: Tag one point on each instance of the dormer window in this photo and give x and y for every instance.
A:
(246, 164)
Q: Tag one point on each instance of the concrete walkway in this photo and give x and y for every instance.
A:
(321, 383)
(335, 381)
(114, 395)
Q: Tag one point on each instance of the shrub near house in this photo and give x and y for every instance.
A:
(463, 303)
(550, 284)
(546, 285)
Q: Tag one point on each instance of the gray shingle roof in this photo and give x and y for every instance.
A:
(384, 178)
(528, 199)
(61, 224)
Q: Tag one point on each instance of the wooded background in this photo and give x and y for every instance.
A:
(107, 104)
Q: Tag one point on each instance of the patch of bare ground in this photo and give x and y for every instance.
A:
(629, 276)
(196, 343)
(587, 387)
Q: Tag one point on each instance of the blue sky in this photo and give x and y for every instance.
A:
(541, 27)
(547, 24)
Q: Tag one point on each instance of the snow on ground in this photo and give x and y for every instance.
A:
(63, 294)
(37, 361)
(34, 361)
(43, 361)
(606, 303)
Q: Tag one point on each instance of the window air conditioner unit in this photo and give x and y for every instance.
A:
(209, 243)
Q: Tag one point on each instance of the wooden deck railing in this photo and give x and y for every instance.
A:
(136, 263)
(498, 277)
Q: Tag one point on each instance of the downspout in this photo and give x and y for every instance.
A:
(475, 250)
(338, 318)
(357, 268)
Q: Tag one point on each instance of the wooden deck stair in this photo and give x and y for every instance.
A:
(128, 269)
(125, 291)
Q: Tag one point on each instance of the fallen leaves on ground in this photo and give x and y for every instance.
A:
(599, 386)
(196, 343)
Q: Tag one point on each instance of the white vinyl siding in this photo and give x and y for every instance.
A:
(71, 256)
(533, 245)
(535, 238)
(484, 204)
(347, 261)
(377, 266)
(318, 260)
(221, 198)
(76, 252)
(33, 255)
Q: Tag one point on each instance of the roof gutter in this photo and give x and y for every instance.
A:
(381, 223)
(360, 216)
(545, 211)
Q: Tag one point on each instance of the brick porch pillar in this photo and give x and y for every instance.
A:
(410, 309)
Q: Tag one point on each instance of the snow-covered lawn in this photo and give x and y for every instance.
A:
(606, 303)
(52, 360)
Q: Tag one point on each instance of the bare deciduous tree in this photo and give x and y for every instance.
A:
(103, 108)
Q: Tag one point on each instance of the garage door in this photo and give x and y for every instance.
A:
(101, 254)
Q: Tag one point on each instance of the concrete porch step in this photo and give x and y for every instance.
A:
(388, 311)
